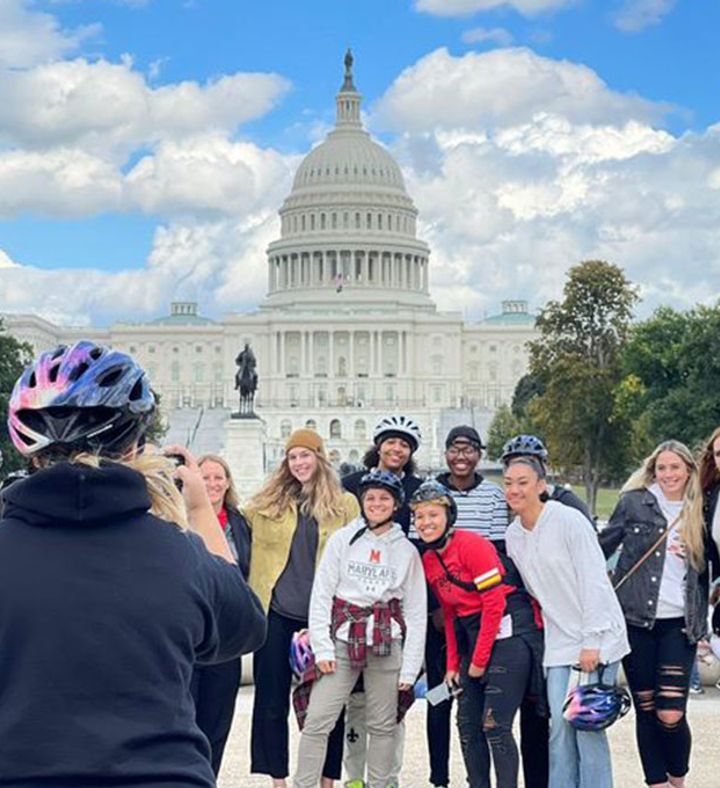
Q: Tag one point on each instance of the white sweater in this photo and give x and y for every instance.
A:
(563, 567)
(373, 569)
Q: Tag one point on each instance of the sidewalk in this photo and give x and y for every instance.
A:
(704, 715)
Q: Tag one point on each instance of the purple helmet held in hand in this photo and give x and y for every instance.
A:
(301, 654)
(594, 707)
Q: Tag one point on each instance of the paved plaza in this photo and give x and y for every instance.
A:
(704, 715)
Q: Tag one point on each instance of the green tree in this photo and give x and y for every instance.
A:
(14, 356)
(527, 388)
(576, 362)
(671, 367)
(503, 426)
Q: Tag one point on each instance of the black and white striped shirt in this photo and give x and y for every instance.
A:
(481, 508)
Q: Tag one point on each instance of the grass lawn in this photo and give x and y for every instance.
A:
(606, 499)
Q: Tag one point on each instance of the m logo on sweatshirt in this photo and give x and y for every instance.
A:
(374, 556)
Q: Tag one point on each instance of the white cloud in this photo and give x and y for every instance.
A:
(501, 87)
(105, 106)
(636, 15)
(6, 261)
(468, 7)
(30, 37)
(494, 35)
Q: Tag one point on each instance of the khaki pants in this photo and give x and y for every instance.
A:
(355, 749)
(330, 693)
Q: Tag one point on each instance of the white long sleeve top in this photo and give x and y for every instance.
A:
(563, 567)
(372, 569)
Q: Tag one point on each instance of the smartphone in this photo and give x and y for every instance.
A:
(178, 459)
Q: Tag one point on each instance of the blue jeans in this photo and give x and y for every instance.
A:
(578, 759)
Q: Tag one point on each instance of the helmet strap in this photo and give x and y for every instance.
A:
(441, 541)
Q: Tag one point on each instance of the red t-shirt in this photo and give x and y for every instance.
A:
(472, 559)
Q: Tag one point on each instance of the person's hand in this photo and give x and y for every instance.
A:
(475, 672)
(326, 665)
(193, 486)
(404, 686)
(589, 659)
(452, 677)
(438, 619)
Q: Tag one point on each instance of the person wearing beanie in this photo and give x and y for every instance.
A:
(291, 518)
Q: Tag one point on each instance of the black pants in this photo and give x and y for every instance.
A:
(534, 729)
(214, 689)
(658, 672)
(487, 708)
(270, 732)
(437, 719)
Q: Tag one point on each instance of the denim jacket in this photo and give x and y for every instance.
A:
(636, 524)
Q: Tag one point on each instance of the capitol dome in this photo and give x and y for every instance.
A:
(348, 226)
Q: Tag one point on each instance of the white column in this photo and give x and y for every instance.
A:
(311, 353)
(331, 354)
(282, 353)
(351, 355)
(303, 357)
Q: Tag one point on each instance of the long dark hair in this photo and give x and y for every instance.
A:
(372, 459)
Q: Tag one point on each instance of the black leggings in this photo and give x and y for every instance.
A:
(486, 710)
(658, 672)
(273, 677)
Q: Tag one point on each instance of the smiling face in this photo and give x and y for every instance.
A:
(302, 463)
(672, 474)
(378, 505)
(394, 454)
(523, 488)
(216, 482)
(430, 520)
(462, 458)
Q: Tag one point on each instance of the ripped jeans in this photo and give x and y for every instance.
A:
(658, 672)
(486, 710)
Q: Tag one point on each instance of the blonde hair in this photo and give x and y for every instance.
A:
(321, 497)
(708, 470)
(231, 498)
(692, 526)
(166, 501)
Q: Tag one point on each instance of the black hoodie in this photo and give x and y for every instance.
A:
(104, 609)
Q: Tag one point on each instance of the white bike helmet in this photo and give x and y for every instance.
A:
(398, 426)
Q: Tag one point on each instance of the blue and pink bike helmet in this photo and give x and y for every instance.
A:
(84, 397)
(596, 706)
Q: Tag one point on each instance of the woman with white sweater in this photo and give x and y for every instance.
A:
(368, 613)
(557, 553)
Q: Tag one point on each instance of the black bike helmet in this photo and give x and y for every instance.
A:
(433, 491)
(385, 480)
(524, 446)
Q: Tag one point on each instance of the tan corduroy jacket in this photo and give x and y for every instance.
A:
(271, 540)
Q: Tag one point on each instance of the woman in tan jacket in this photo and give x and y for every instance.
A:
(291, 518)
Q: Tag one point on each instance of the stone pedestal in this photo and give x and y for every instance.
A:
(245, 440)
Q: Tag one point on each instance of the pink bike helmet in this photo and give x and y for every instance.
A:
(301, 654)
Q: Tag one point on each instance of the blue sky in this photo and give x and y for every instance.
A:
(144, 143)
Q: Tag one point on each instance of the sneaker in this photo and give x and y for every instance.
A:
(355, 784)
(696, 689)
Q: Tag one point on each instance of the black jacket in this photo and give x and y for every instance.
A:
(710, 503)
(104, 609)
(410, 483)
(568, 498)
(636, 524)
(242, 538)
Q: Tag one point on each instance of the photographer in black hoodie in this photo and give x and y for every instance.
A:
(111, 587)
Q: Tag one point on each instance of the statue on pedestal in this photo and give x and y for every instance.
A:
(246, 381)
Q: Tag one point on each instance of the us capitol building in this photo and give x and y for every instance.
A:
(347, 332)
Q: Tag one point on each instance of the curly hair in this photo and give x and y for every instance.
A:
(709, 473)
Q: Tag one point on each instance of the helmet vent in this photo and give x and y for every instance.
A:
(95, 353)
(136, 391)
(53, 374)
(79, 370)
(58, 352)
(32, 381)
(111, 377)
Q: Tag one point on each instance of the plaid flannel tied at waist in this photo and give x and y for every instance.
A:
(344, 612)
(383, 614)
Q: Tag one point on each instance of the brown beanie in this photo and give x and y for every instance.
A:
(306, 439)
